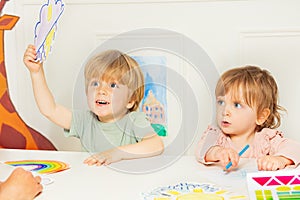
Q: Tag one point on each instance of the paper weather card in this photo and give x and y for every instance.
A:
(46, 27)
(274, 185)
(182, 191)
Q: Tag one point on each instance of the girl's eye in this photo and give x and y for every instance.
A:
(237, 105)
(95, 83)
(220, 102)
(113, 85)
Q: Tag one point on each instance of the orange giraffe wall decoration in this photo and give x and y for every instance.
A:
(14, 132)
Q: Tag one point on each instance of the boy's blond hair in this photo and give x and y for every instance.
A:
(112, 65)
(259, 91)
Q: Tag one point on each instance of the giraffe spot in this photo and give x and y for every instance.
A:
(11, 138)
(5, 22)
(2, 69)
(6, 102)
(41, 141)
(3, 87)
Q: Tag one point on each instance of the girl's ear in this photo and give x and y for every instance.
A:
(263, 116)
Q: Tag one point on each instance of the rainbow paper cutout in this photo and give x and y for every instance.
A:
(40, 166)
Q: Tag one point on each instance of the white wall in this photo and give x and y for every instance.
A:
(233, 33)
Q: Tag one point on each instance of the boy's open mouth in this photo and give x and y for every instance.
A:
(102, 102)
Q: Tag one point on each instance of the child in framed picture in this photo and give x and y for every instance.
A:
(111, 129)
(247, 113)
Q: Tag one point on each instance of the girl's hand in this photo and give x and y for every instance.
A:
(104, 158)
(224, 155)
(272, 163)
(29, 59)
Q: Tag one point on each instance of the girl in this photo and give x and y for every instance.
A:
(247, 113)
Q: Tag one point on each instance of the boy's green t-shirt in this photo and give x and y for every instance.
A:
(96, 136)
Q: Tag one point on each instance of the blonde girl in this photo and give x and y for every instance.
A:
(247, 113)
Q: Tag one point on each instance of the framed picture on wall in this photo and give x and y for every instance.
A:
(154, 103)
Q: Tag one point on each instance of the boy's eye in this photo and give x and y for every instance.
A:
(95, 83)
(237, 105)
(113, 85)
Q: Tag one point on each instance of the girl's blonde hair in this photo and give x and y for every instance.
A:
(112, 65)
(259, 91)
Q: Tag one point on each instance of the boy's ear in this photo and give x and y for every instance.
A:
(263, 116)
(130, 104)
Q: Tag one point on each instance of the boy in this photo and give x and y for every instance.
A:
(114, 87)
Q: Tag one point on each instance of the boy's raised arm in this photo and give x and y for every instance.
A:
(43, 96)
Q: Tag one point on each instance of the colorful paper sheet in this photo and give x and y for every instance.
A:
(40, 166)
(198, 191)
(274, 185)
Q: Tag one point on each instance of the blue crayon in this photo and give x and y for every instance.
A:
(240, 154)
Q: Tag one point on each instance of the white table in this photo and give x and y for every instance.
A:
(113, 182)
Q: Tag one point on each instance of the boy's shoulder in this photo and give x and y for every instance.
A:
(136, 115)
(84, 115)
(138, 118)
